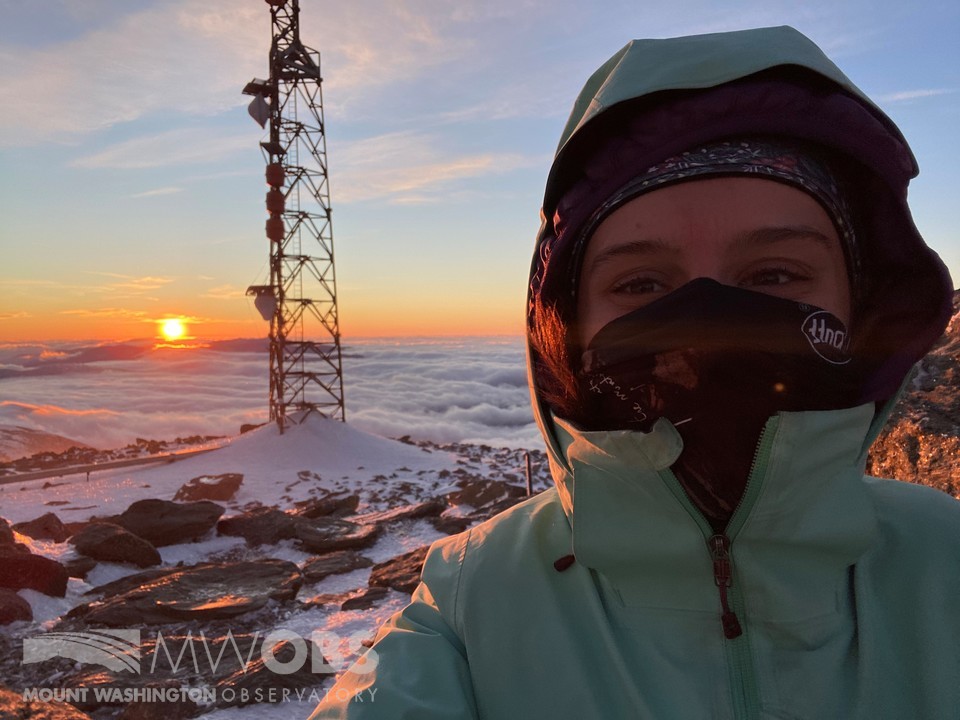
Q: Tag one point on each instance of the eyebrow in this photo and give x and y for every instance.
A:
(752, 238)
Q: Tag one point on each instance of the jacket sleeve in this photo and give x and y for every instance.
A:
(417, 666)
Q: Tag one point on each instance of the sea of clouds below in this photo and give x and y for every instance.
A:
(446, 390)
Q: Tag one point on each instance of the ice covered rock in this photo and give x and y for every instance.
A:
(206, 591)
(210, 487)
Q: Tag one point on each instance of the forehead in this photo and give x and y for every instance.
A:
(738, 213)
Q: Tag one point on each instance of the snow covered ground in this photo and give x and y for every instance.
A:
(307, 461)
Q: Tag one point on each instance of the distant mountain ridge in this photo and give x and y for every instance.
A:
(18, 442)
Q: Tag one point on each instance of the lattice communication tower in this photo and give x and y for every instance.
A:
(301, 299)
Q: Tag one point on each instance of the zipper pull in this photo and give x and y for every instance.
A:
(719, 546)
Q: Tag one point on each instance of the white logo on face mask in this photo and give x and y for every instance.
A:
(828, 337)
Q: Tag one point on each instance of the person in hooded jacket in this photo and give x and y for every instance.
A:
(726, 296)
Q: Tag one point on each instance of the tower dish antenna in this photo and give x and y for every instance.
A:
(300, 300)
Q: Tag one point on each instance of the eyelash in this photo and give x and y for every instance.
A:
(792, 275)
(629, 286)
(626, 287)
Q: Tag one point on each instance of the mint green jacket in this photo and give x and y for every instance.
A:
(847, 590)
(844, 590)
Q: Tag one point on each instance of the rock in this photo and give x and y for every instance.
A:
(340, 561)
(322, 535)
(480, 492)
(6, 534)
(262, 684)
(13, 607)
(45, 527)
(197, 593)
(179, 709)
(452, 524)
(364, 600)
(400, 573)
(14, 707)
(210, 487)
(131, 582)
(337, 505)
(430, 508)
(79, 567)
(23, 570)
(106, 541)
(161, 522)
(264, 526)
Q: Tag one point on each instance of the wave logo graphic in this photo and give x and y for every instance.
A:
(117, 650)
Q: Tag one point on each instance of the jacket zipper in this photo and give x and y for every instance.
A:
(719, 545)
(723, 577)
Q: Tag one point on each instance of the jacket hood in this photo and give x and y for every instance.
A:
(669, 95)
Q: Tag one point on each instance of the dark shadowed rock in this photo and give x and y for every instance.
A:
(106, 541)
(430, 508)
(365, 599)
(45, 527)
(79, 567)
(337, 505)
(197, 593)
(179, 709)
(162, 522)
(263, 526)
(361, 599)
(131, 582)
(14, 707)
(322, 535)
(481, 492)
(400, 573)
(22, 570)
(452, 524)
(13, 607)
(340, 561)
(6, 534)
(210, 487)
(264, 685)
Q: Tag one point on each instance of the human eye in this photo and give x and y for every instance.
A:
(773, 276)
(638, 285)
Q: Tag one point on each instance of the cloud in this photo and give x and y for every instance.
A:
(906, 95)
(176, 57)
(131, 284)
(15, 315)
(184, 146)
(109, 312)
(410, 167)
(224, 292)
(158, 191)
(456, 390)
(188, 58)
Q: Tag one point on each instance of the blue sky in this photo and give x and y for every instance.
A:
(131, 184)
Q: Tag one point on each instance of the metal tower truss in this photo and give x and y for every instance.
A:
(301, 300)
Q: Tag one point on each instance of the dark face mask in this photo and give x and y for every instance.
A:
(717, 361)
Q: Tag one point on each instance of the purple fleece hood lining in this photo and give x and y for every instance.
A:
(910, 298)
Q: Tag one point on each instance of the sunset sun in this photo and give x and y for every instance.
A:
(172, 329)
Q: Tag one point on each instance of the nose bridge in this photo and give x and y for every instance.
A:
(703, 256)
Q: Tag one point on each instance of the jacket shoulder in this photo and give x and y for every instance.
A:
(917, 517)
(520, 542)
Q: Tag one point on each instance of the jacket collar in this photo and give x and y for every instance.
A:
(805, 517)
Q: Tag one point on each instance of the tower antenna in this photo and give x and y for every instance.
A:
(300, 302)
